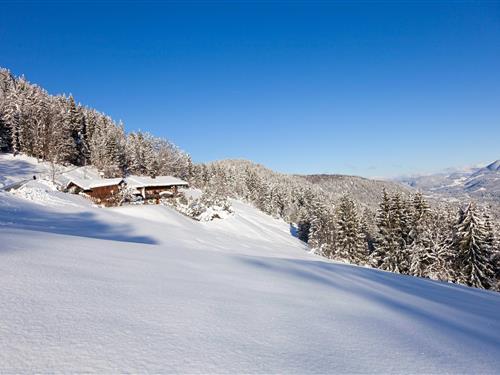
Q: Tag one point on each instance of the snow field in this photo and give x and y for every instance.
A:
(146, 289)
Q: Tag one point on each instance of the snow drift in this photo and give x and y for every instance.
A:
(146, 289)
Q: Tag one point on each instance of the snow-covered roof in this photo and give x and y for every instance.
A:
(88, 184)
(80, 173)
(145, 181)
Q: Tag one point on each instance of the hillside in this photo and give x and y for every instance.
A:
(335, 215)
(366, 191)
(145, 289)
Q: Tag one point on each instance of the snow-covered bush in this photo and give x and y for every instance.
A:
(209, 206)
(128, 195)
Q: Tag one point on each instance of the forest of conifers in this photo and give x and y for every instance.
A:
(407, 234)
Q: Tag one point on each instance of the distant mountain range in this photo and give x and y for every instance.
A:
(480, 183)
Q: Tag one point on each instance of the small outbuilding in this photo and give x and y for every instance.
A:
(155, 187)
(103, 190)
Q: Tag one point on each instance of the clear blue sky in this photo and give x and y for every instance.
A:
(317, 87)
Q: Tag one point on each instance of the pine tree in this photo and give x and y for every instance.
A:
(5, 137)
(190, 169)
(277, 201)
(303, 226)
(387, 248)
(391, 250)
(383, 241)
(13, 114)
(494, 250)
(350, 242)
(107, 148)
(6, 82)
(139, 154)
(473, 259)
(442, 266)
(367, 224)
(424, 254)
(254, 187)
(419, 217)
(68, 133)
(422, 243)
(399, 259)
(321, 221)
(75, 125)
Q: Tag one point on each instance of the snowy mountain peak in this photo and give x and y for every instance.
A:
(480, 183)
(495, 166)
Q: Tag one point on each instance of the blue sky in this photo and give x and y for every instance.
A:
(364, 88)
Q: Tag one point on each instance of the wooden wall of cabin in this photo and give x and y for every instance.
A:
(104, 194)
(154, 191)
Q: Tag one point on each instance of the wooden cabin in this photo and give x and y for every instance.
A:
(101, 191)
(155, 187)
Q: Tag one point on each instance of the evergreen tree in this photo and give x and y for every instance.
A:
(303, 226)
(190, 169)
(494, 250)
(13, 113)
(67, 131)
(422, 243)
(399, 259)
(385, 243)
(6, 82)
(442, 266)
(277, 201)
(367, 224)
(473, 259)
(350, 242)
(75, 127)
(420, 216)
(107, 148)
(321, 230)
(138, 153)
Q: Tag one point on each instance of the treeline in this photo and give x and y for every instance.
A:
(405, 235)
(57, 129)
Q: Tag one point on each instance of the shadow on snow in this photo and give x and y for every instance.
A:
(81, 224)
(17, 167)
(443, 306)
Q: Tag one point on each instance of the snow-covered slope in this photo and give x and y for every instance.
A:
(20, 168)
(366, 192)
(14, 169)
(145, 289)
(495, 166)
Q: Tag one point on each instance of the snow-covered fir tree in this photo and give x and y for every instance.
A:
(473, 258)
(75, 124)
(350, 243)
(321, 222)
(441, 253)
(385, 243)
(421, 246)
(138, 153)
(6, 83)
(399, 260)
(493, 245)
